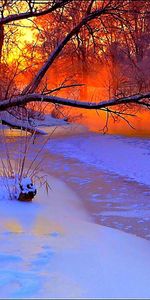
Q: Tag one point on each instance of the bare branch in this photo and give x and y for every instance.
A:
(24, 99)
(63, 87)
(33, 13)
(37, 79)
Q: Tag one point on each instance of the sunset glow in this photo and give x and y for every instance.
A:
(75, 149)
(103, 75)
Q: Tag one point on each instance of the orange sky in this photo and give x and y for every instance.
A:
(26, 35)
(141, 123)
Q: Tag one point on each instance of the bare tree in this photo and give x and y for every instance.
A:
(92, 13)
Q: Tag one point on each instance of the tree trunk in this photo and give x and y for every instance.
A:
(1, 40)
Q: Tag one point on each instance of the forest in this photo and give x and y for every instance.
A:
(90, 55)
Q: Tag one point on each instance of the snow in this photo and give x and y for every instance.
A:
(51, 121)
(10, 119)
(48, 125)
(27, 185)
(51, 249)
(124, 156)
(47, 120)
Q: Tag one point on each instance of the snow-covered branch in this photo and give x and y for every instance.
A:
(140, 99)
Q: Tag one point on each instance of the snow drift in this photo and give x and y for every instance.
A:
(51, 249)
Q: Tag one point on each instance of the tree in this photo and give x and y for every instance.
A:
(91, 14)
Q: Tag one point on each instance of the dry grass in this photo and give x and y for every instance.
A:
(16, 169)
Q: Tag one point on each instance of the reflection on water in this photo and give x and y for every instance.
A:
(112, 200)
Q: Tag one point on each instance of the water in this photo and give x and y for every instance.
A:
(111, 198)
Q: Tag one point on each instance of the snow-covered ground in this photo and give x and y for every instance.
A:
(51, 249)
(125, 156)
(110, 174)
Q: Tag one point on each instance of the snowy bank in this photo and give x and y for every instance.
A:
(50, 248)
(124, 156)
(47, 125)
